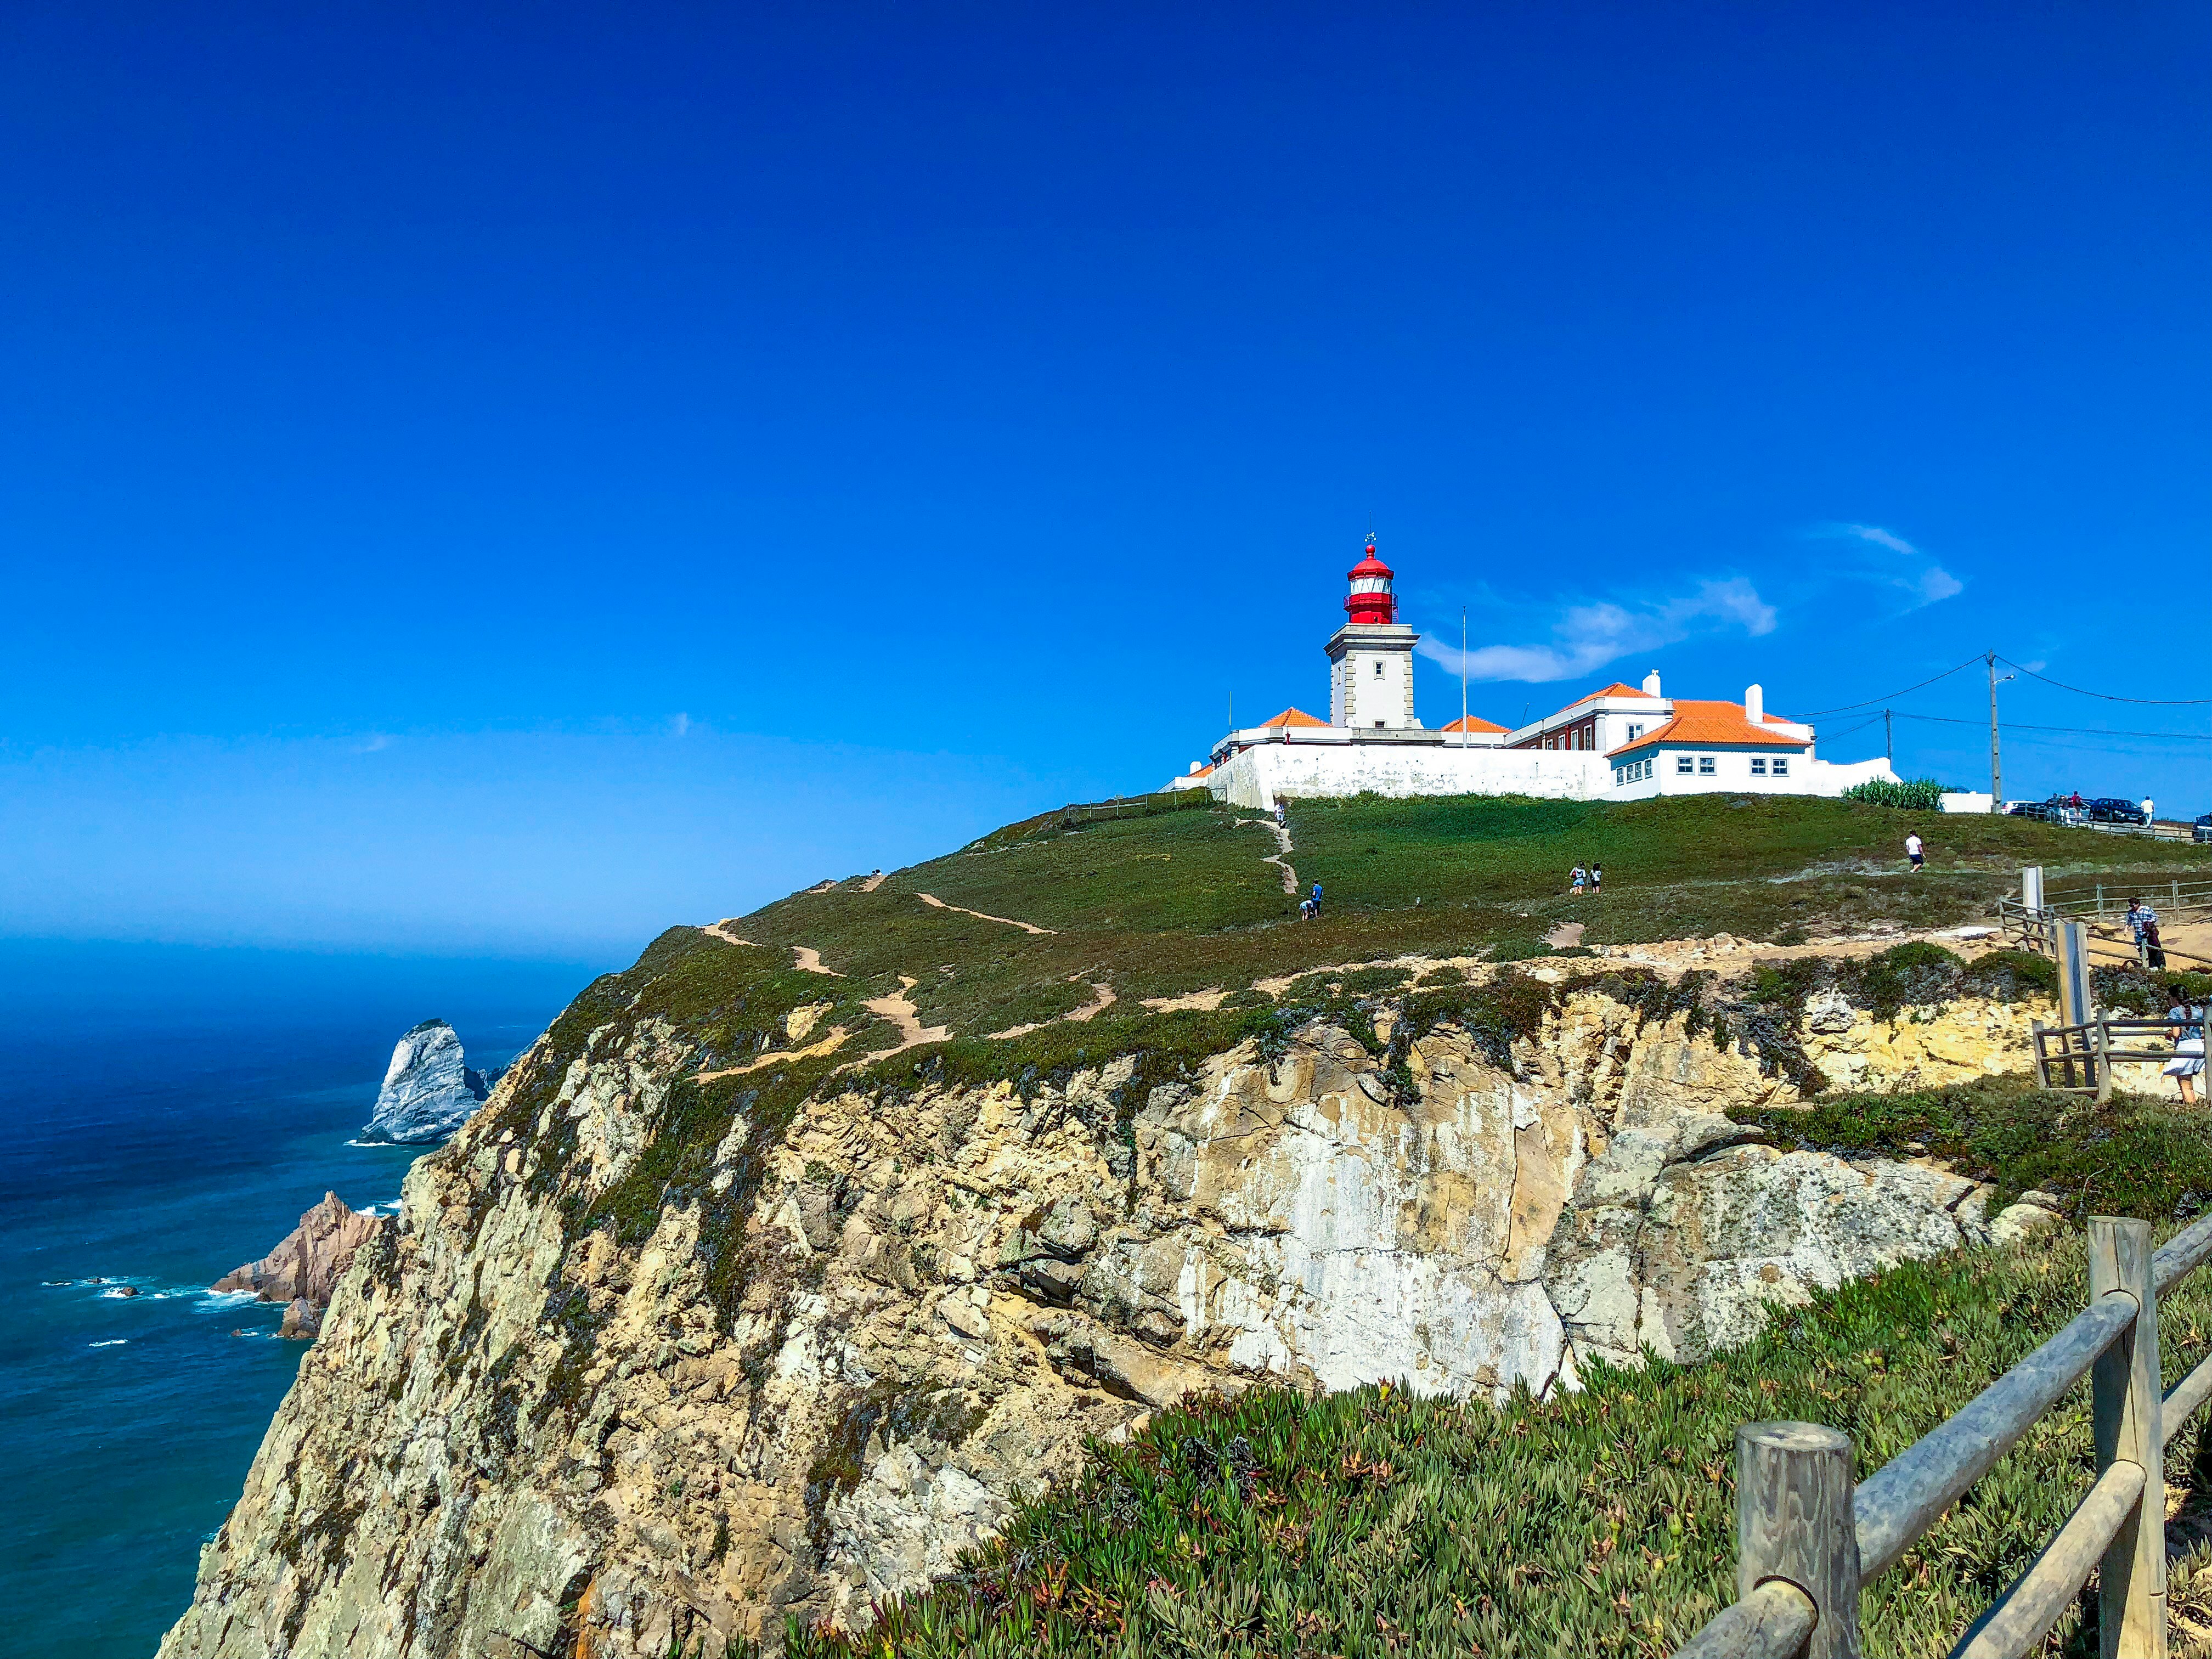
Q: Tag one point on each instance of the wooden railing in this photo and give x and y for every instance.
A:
(1807, 1538)
(2079, 1059)
(1138, 807)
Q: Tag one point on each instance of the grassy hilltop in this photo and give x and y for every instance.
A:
(1183, 902)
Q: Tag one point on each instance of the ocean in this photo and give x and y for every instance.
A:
(168, 1114)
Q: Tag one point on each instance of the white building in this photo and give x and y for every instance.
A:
(1619, 743)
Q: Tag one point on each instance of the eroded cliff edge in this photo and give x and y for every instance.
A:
(689, 1327)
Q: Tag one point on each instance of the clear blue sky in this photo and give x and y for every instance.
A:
(505, 481)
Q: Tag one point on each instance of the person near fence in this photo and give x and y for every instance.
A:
(2143, 921)
(1914, 853)
(2188, 1062)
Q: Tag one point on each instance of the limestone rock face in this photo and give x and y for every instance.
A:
(429, 1089)
(853, 1337)
(305, 1268)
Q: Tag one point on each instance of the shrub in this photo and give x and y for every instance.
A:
(1915, 794)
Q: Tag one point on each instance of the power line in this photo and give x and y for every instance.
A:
(2164, 702)
(2075, 730)
(1865, 701)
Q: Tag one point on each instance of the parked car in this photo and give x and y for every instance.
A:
(2111, 808)
(2203, 826)
(2040, 809)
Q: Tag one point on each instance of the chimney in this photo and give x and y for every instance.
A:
(1651, 683)
(1755, 704)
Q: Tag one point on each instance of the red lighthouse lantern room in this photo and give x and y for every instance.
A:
(1370, 599)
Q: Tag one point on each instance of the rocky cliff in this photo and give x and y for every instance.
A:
(305, 1268)
(701, 1323)
(430, 1090)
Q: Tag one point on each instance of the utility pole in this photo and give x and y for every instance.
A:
(1888, 751)
(1996, 770)
(1463, 677)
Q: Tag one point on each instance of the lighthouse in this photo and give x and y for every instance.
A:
(1370, 680)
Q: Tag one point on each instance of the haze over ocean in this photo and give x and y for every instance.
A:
(170, 1113)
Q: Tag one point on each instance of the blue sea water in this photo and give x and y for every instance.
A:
(168, 1114)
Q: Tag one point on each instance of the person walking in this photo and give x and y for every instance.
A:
(1315, 899)
(1577, 878)
(1597, 880)
(2143, 922)
(2188, 1062)
(1279, 815)
(1914, 853)
(2148, 817)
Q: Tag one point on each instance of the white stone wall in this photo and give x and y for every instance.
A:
(1258, 775)
(1732, 774)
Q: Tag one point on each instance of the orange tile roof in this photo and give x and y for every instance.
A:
(1472, 723)
(1616, 689)
(1293, 717)
(1715, 722)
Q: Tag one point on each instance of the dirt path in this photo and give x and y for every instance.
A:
(828, 1045)
(1280, 858)
(1566, 934)
(1026, 926)
(1101, 999)
(1204, 1001)
(901, 1012)
(809, 960)
(721, 930)
(824, 886)
(872, 883)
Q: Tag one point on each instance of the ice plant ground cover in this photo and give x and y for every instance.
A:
(1380, 1524)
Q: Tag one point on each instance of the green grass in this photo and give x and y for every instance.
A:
(2139, 1155)
(1376, 1524)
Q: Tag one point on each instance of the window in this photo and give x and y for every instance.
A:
(1759, 766)
(1682, 763)
(1705, 766)
(1634, 733)
(1378, 725)
(1619, 776)
(1378, 668)
(1781, 766)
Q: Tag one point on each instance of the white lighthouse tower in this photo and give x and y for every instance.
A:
(1370, 680)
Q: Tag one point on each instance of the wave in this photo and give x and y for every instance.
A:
(112, 1342)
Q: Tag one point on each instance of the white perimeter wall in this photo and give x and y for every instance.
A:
(1256, 777)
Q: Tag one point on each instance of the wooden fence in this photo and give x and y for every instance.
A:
(1137, 807)
(1807, 1538)
(2079, 1059)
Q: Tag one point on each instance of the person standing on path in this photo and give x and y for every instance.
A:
(1279, 815)
(1316, 899)
(1913, 852)
(2188, 1062)
(2149, 818)
(1597, 878)
(1575, 879)
(2143, 922)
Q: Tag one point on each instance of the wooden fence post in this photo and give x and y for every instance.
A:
(1794, 1521)
(2042, 1066)
(2126, 1403)
(2104, 1029)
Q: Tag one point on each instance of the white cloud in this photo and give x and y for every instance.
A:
(1871, 532)
(1935, 583)
(1926, 586)
(1588, 636)
(376, 740)
(680, 725)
